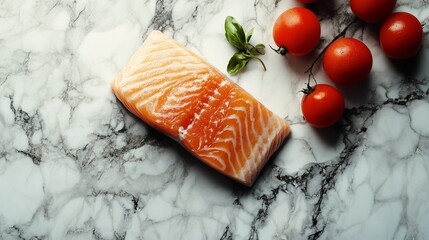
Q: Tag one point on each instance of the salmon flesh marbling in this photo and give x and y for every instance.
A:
(178, 93)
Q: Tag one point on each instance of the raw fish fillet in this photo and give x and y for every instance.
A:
(178, 93)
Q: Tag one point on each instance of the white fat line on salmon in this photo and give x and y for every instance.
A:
(266, 150)
(163, 117)
(234, 144)
(175, 101)
(165, 43)
(216, 92)
(148, 84)
(120, 95)
(174, 69)
(218, 159)
(182, 133)
(255, 134)
(224, 82)
(182, 89)
(147, 71)
(246, 126)
(211, 98)
(252, 119)
(197, 116)
(261, 119)
(165, 107)
(255, 149)
(132, 81)
(155, 64)
(156, 38)
(183, 60)
(240, 133)
(166, 51)
(174, 104)
(228, 153)
(199, 142)
(157, 95)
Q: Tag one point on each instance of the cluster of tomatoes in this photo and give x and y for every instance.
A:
(346, 60)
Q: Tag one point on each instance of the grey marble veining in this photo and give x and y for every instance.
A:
(75, 164)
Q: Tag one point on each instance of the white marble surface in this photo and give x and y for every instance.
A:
(74, 164)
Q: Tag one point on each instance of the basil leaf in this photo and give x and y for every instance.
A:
(237, 62)
(260, 48)
(249, 35)
(234, 33)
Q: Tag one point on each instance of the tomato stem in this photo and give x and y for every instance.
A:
(309, 89)
(341, 34)
(281, 50)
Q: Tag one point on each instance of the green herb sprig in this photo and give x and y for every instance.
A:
(235, 35)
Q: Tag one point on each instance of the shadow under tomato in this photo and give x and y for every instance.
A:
(299, 65)
(358, 94)
(331, 136)
(326, 8)
(409, 67)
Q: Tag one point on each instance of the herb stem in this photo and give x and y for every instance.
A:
(260, 60)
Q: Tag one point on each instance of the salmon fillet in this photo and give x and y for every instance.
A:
(178, 93)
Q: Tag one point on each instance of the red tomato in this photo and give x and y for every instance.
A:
(401, 36)
(306, 1)
(297, 30)
(372, 11)
(322, 107)
(347, 61)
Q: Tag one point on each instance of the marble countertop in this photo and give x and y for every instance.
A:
(74, 164)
